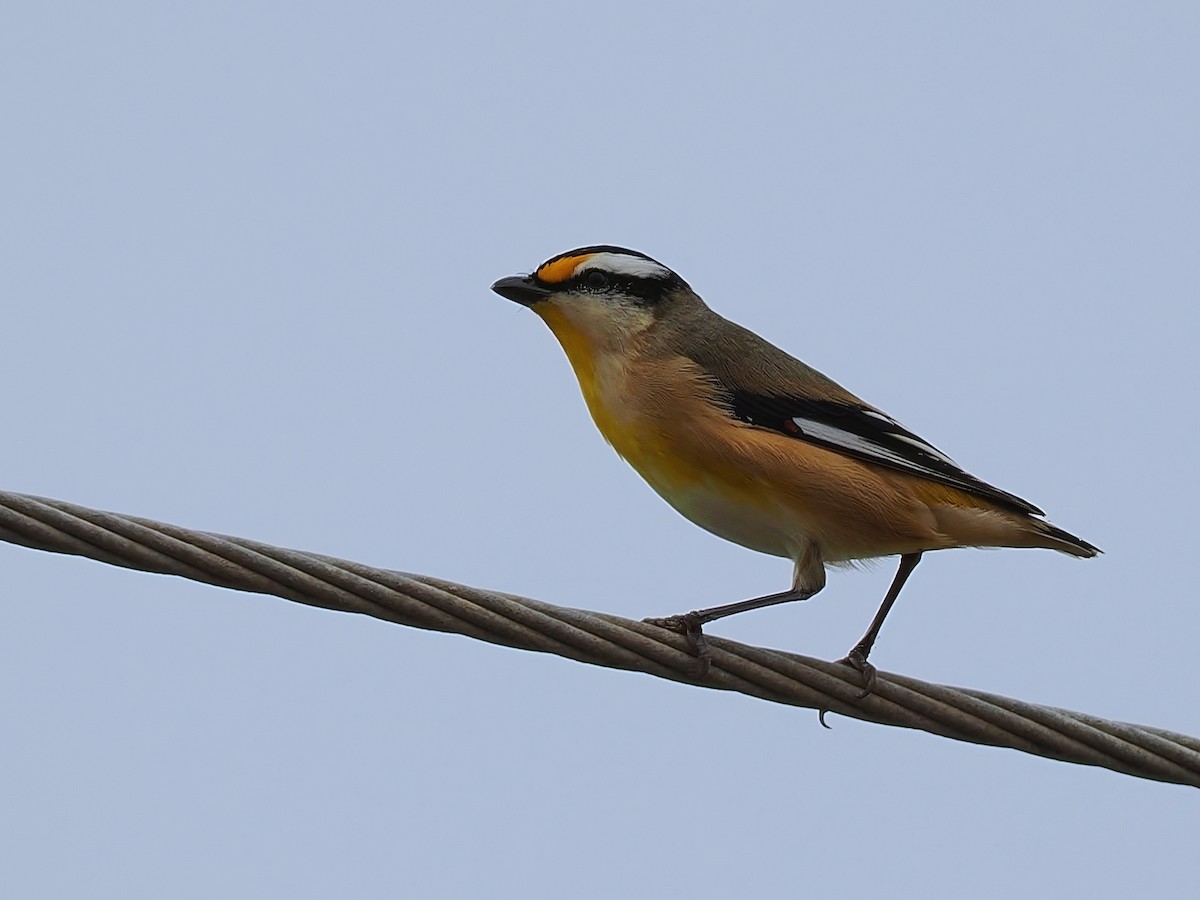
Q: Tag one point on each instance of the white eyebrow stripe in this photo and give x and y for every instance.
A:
(622, 264)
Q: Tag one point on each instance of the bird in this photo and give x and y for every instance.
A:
(755, 446)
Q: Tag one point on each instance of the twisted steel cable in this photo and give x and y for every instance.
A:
(596, 638)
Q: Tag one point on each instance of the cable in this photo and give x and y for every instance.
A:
(596, 638)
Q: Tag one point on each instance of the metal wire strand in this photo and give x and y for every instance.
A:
(596, 638)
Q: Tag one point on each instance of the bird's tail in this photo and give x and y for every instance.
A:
(1054, 538)
(973, 527)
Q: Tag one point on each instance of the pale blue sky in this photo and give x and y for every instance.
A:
(246, 257)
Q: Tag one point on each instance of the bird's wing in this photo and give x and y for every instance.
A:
(865, 433)
(769, 388)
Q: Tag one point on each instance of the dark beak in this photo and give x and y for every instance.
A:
(522, 289)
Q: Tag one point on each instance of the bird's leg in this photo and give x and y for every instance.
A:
(691, 624)
(858, 656)
(807, 579)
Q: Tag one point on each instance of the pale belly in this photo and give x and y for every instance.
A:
(750, 522)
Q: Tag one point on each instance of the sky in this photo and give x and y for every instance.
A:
(246, 251)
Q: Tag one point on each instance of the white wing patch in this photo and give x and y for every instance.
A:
(858, 443)
(866, 434)
(926, 448)
(623, 264)
(851, 441)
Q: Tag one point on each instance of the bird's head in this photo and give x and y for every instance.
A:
(601, 296)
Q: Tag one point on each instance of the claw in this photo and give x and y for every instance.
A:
(691, 627)
(858, 660)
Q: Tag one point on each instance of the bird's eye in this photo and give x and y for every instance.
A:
(596, 279)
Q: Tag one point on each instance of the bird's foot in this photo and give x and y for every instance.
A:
(857, 659)
(691, 626)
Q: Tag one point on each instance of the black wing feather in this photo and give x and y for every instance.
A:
(864, 433)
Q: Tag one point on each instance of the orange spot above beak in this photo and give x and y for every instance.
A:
(559, 270)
